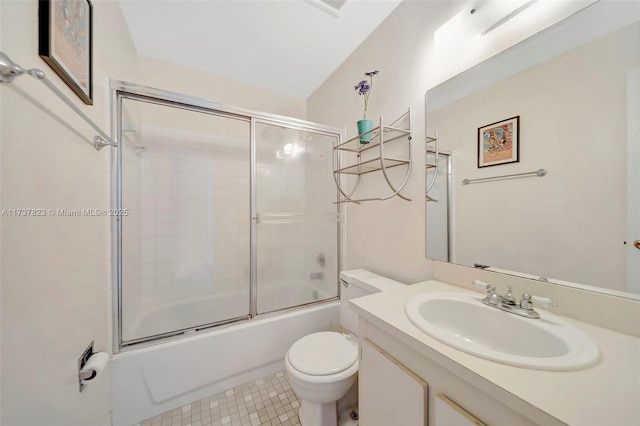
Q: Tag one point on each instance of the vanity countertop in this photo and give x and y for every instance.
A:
(607, 393)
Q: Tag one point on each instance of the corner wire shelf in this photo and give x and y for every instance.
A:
(379, 136)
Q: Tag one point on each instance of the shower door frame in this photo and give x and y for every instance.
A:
(448, 179)
(121, 90)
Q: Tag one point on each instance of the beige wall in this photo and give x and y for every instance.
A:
(55, 271)
(387, 237)
(166, 76)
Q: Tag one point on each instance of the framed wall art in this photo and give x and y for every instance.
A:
(499, 143)
(65, 39)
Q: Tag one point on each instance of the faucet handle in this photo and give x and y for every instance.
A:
(543, 302)
(480, 285)
(528, 301)
(492, 297)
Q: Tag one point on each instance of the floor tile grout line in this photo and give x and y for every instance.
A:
(267, 401)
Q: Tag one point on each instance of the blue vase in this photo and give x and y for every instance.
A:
(363, 127)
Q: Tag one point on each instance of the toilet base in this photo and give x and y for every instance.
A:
(314, 414)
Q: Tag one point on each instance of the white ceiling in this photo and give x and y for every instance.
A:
(288, 46)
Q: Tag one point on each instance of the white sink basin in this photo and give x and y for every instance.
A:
(461, 320)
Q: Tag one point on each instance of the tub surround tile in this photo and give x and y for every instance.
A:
(268, 401)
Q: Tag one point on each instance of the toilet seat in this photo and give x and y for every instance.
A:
(323, 353)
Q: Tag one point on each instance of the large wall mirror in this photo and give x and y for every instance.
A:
(575, 88)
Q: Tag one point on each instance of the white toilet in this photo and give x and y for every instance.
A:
(322, 367)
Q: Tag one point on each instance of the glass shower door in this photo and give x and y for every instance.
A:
(296, 220)
(438, 226)
(185, 245)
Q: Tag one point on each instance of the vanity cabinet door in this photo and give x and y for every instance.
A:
(389, 394)
(448, 413)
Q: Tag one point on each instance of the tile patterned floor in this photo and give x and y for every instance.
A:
(268, 401)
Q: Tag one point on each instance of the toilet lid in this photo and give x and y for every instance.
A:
(323, 353)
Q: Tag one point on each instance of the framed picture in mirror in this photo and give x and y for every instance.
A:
(499, 143)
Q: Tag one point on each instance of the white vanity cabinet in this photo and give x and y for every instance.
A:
(489, 392)
(448, 413)
(388, 393)
(391, 394)
(401, 387)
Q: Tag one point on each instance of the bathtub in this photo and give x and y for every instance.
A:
(160, 318)
(151, 380)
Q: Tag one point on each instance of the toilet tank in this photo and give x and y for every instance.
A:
(358, 283)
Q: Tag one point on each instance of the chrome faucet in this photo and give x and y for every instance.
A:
(509, 303)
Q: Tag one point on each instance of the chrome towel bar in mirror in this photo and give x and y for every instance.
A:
(539, 172)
